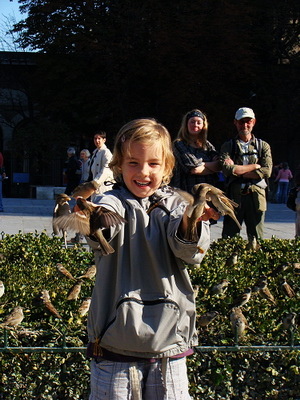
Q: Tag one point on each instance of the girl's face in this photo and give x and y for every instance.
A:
(195, 125)
(142, 168)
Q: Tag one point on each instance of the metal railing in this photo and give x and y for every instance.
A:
(199, 349)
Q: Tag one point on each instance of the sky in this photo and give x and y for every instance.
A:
(9, 13)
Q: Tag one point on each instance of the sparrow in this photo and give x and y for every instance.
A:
(90, 272)
(14, 318)
(265, 293)
(196, 290)
(64, 271)
(85, 189)
(84, 308)
(61, 208)
(239, 322)
(232, 260)
(74, 291)
(48, 304)
(89, 220)
(206, 318)
(2, 289)
(201, 194)
(242, 299)
(297, 268)
(262, 280)
(220, 288)
(289, 321)
(252, 244)
(278, 270)
(287, 289)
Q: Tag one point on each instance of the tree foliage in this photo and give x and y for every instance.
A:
(110, 61)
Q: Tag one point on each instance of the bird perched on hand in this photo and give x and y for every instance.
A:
(61, 208)
(239, 322)
(265, 293)
(201, 194)
(205, 319)
(287, 289)
(242, 299)
(64, 271)
(84, 307)
(45, 296)
(74, 291)
(220, 288)
(14, 318)
(85, 189)
(2, 289)
(89, 220)
(90, 272)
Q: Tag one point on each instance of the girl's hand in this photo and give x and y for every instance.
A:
(209, 213)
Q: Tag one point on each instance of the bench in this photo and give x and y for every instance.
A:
(45, 192)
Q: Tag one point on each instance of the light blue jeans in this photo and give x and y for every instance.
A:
(139, 380)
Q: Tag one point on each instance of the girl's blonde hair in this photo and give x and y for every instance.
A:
(183, 133)
(143, 131)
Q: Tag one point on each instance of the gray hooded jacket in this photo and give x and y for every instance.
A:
(143, 302)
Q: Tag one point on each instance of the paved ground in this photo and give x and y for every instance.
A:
(30, 215)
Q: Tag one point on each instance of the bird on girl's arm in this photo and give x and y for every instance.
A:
(89, 219)
(85, 189)
(198, 205)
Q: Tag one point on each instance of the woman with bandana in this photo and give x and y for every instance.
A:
(197, 160)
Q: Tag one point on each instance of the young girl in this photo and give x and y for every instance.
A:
(141, 322)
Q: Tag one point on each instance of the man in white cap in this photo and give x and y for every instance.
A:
(247, 164)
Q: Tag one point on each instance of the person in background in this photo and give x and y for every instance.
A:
(197, 160)
(273, 185)
(72, 171)
(247, 164)
(2, 176)
(283, 178)
(99, 164)
(141, 322)
(85, 167)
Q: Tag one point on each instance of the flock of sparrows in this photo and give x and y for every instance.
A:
(16, 316)
(238, 321)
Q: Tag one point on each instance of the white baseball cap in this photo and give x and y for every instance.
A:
(244, 112)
